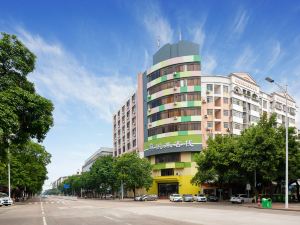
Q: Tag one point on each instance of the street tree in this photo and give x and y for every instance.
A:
(134, 172)
(104, 174)
(28, 168)
(218, 162)
(23, 112)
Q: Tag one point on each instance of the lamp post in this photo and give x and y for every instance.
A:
(284, 89)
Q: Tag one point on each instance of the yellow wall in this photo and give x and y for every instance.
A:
(185, 186)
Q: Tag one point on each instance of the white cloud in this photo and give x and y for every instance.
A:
(60, 76)
(274, 55)
(157, 25)
(246, 60)
(209, 64)
(240, 22)
(198, 34)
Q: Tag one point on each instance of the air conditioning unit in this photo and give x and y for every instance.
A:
(207, 129)
(149, 125)
(175, 103)
(208, 92)
(175, 88)
(228, 130)
(205, 116)
(203, 101)
(175, 118)
(149, 110)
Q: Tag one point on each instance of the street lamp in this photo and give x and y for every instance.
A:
(284, 89)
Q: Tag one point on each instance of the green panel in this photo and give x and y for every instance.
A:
(197, 58)
(197, 88)
(161, 107)
(183, 89)
(163, 78)
(183, 164)
(190, 103)
(181, 133)
(195, 138)
(186, 118)
(159, 166)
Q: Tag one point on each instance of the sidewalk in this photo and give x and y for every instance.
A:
(277, 206)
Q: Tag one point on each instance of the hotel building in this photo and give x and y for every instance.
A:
(178, 109)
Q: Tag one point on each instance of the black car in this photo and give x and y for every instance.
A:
(212, 198)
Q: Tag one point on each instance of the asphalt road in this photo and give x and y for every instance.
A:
(68, 211)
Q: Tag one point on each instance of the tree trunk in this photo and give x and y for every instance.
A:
(133, 193)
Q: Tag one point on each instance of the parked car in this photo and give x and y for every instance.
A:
(212, 198)
(176, 198)
(241, 198)
(149, 198)
(5, 200)
(200, 198)
(1, 203)
(139, 197)
(187, 198)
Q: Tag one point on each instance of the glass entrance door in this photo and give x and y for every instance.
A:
(166, 189)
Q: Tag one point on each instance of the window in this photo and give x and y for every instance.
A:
(210, 112)
(226, 125)
(128, 146)
(174, 127)
(209, 124)
(167, 172)
(209, 99)
(123, 148)
(164, 158)
(225, 101)
(237, 114)
(226, 112)
(237, 126)
(264, 104)
(127, 103)
(237, 101)
(225, 89)
(209, 87)
(134, 143)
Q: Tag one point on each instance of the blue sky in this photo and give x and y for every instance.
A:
(89, 53)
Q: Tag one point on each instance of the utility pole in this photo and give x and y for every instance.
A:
(8, 166)
(284, 89)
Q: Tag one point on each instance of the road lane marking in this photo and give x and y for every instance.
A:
(44, 221)
(116, 220)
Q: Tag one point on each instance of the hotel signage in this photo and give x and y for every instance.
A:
(177, 144)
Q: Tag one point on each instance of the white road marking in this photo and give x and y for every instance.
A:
(116, 220)
(44, 221)
(43, 213)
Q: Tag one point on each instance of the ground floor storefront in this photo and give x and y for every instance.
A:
(164, 186)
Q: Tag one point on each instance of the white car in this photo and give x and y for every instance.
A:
(5, 200)
(241, 198)
(176, 198)
(200, 198)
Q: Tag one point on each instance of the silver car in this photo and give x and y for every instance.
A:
(200, 198)
(187, 198)
(5, 200)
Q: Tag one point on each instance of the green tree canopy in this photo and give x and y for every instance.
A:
(133, 171)
(28, 167)
(23, 112)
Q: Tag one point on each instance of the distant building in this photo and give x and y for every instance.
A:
(59, 181)
(90, 161)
